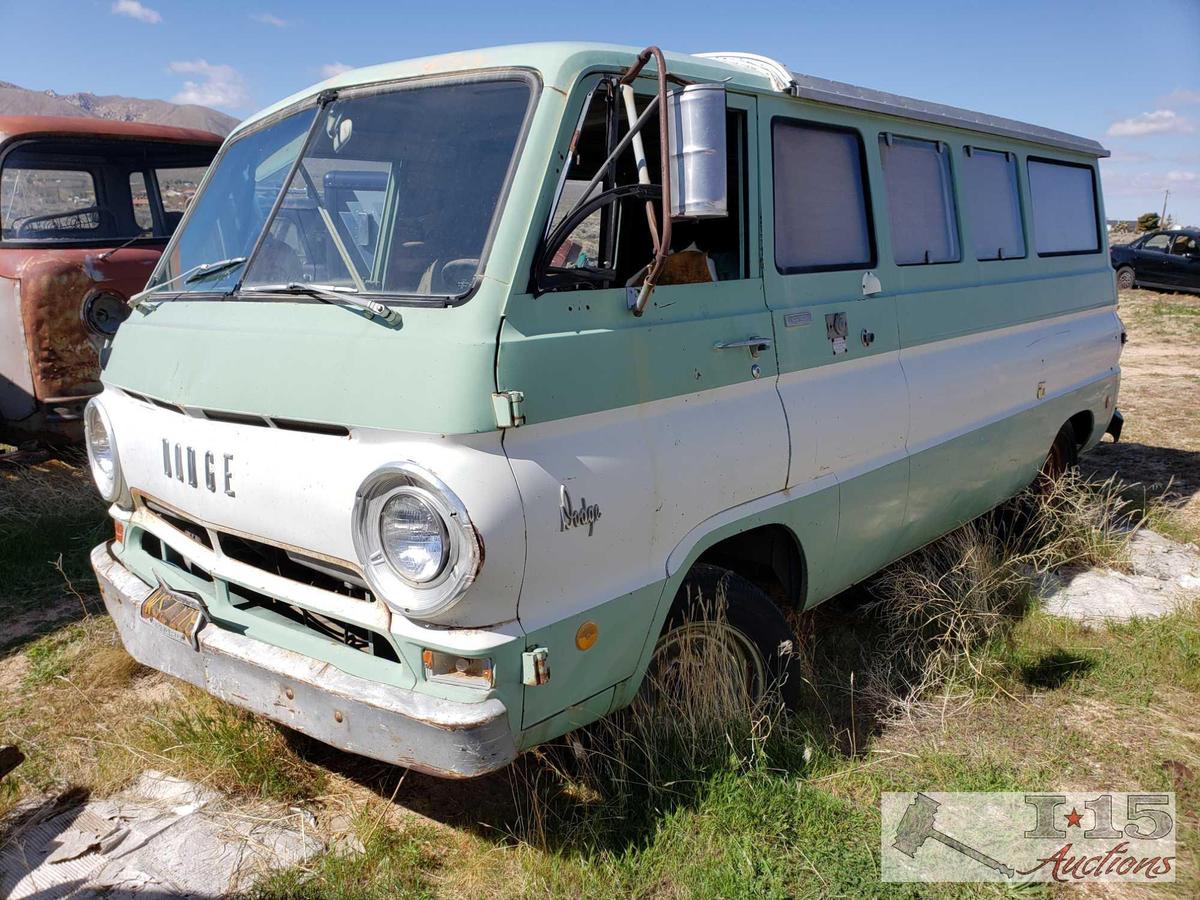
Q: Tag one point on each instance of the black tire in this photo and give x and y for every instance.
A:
(750, 614)
(1063, 455)
(1125, 278)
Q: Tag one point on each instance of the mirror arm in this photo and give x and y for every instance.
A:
(663, 242)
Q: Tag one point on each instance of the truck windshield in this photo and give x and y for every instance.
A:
(394, 195)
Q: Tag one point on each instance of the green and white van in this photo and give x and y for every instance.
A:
(462, 374)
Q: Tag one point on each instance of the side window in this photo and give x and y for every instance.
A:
(612, 246)
(822, 209)
(1160, 243)
(141, 201)
(38, 203)
(1185, 245)
(1064, 208)
(989, 181)
(924, 227)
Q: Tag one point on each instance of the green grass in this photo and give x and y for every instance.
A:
(206, 740)
(388, 862)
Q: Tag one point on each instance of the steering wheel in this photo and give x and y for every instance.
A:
(25, 227)
(455, 276)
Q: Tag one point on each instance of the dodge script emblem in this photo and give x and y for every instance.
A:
(571, 517)
(182, 464)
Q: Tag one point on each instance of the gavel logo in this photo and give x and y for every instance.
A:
(916, 827)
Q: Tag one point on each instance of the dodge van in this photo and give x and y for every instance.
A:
(86, 207)
(463, 376)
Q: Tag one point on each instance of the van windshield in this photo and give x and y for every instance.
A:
(394, 193)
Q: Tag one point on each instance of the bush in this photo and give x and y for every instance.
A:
(1147, 221)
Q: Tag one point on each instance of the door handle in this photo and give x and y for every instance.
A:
(755, 345)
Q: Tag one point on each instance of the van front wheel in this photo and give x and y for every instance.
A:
(724, 644)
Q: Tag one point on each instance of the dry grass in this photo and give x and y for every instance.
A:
(939, 609)
(687, 722)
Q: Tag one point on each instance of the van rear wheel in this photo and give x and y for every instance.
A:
(1063, 455)
(724, 642)
(1125, 278)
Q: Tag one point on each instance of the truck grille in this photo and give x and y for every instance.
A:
(288, 564)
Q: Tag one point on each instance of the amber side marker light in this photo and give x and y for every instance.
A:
(587, 635)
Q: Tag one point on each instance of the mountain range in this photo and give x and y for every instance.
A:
(19, 101)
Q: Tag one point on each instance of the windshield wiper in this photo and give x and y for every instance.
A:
(333, 294)
(195, 273)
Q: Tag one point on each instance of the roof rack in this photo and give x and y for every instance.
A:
(837, 93)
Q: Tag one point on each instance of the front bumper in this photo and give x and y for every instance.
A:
(440, 737)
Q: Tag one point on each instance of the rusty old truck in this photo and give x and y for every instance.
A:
(86, 208)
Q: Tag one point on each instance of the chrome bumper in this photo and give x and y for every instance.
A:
(440, 737)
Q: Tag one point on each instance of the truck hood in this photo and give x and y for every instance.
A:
(299, 359)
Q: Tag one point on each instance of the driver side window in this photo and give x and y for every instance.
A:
(612, 247)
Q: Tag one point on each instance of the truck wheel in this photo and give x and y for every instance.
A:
(1125, 279)
(741, 650)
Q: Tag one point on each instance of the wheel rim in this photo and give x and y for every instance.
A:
(708, 663)
(1125, 279)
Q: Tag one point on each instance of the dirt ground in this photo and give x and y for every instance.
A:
(1160, 390)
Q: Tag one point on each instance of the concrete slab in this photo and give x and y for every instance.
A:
(162, 835)
(1165, 574)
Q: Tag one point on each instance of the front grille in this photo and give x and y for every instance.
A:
(354, 636)
(295, 567)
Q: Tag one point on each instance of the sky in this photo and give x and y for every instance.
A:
(1126, 73)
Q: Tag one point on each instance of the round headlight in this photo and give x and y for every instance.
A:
(413, 536)
(102, 451)
(418, 549)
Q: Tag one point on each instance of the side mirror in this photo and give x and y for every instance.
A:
(696, 134)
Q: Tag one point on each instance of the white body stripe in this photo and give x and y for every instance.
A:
(965, 383)
(655, 470)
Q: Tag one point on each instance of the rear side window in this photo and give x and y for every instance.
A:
(989, 185)
(1064, 208)
(920, 200)
(37, 203)
(822, 219)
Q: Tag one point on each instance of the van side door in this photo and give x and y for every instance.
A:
(835, 330)
(637, 431)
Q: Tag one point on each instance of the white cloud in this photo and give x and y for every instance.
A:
(135, 10)
(1176, 176)
(330, 69)
(214, 86)
(267, 18)
(1181, 97)
(1161, 121)
(1126, 156)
